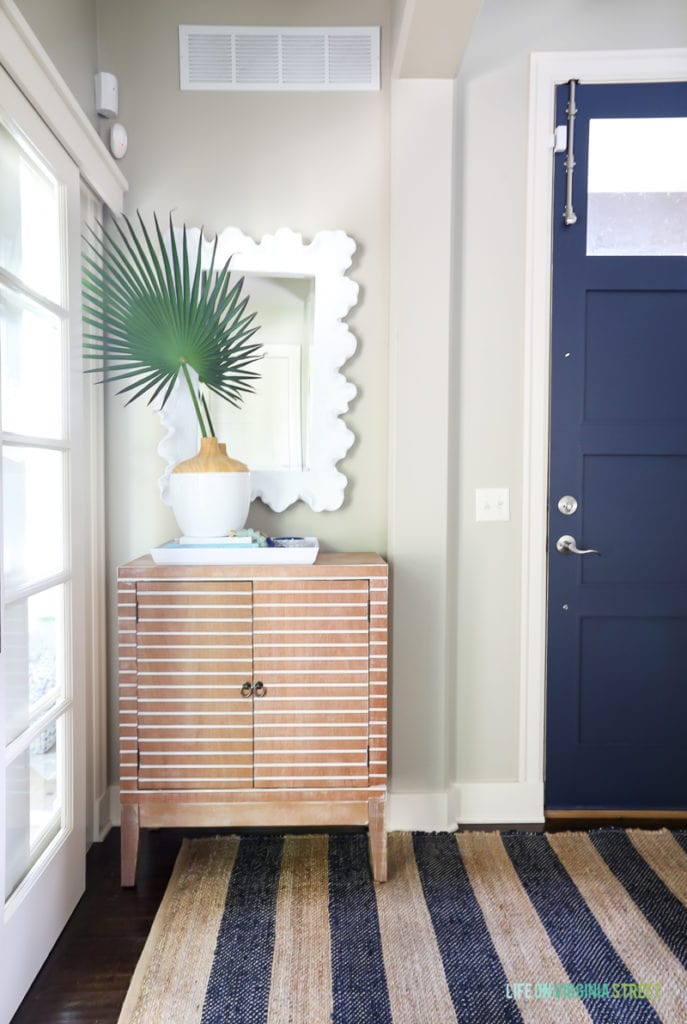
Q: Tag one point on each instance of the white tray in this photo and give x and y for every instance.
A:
(174, 553)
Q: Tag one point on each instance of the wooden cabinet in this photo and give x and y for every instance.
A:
(253, 695)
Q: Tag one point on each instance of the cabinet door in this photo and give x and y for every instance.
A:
(194, 652)
(311, 641)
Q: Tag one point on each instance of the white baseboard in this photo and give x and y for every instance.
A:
(115, 811)
(417, 812)
(496, 803)
(103, 810)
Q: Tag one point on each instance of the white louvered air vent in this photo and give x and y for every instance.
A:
(213, 57)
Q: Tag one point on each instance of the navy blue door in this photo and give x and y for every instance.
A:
(616, 732)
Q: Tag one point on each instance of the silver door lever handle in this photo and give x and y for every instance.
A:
(567, 545)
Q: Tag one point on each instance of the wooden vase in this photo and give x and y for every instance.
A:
(212, 458)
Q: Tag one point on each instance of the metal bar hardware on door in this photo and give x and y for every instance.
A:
(569, 215)
(567, 545)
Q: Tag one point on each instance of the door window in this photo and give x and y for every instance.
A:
(35, 448)
(637, 186)
(29, 219)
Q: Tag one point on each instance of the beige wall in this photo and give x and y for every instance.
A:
(259, 161)
(491, 131)
(67, 30)
(421, 188)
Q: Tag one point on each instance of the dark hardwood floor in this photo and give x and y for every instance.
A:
(85, 978)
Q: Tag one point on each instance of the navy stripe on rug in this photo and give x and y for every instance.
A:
(239, 984)
(574, 932)
(474, 974)
(663, 910)
(681, 837)
(359, 989)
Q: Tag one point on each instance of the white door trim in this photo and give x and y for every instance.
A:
(547, 70)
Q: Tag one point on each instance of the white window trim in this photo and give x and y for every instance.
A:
(547, 70)
(25, 60)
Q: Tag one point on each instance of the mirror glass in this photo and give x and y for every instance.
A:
(290, 432)
(271, 429)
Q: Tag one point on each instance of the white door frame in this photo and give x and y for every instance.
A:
(547, 70)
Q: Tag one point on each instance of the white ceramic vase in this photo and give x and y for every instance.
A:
(210, 493)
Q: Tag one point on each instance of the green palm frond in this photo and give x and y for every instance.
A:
(147, 317)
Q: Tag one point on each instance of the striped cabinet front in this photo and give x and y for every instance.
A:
(311, 683)
(254, 695)
(194, 650)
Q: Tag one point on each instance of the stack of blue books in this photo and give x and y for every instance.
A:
(238, 539)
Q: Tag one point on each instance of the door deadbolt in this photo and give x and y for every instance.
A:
(567, 505)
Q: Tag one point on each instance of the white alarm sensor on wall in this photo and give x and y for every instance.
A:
(118, 140)
(106, 94)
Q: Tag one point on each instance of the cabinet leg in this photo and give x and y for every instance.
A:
(129, 837)
(377, 830)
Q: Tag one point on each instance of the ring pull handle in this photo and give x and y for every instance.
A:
(260, 689)
(246, 690)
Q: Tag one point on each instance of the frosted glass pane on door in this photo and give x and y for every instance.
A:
(31, 354)
(33, 638)
(29, 220)
(34, 783)
(33, 508)
(637, 187)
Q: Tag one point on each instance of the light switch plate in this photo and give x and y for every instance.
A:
(492, 504)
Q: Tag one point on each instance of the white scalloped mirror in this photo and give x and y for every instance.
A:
(290, 433)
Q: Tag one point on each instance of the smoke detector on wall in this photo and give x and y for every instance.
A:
(226, 57)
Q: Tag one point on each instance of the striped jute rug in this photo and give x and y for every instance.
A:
(479, 927)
